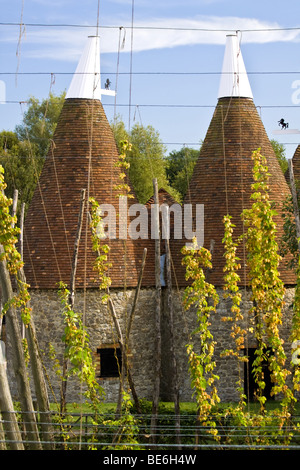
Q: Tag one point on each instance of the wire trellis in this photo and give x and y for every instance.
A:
(84, 431)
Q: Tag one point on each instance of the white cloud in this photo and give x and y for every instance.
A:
(67, 43)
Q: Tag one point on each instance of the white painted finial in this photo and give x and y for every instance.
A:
(86, 82)
(234, 79)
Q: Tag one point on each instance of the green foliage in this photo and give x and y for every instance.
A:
(77, 349)
(101, 264)
(39, 122)
(267, 287)
(123, 189)
(232, 292)
(289, 244)
(204, 298)
(126, 428)
(146, 159)
(295, 333)
(8, 239)
(22, 153)
(267, 291)
(180, 167)
(22, 166)
(280, 154)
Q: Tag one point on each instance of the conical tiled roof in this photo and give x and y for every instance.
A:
(222, 178)
(82, 155)
(296, 167)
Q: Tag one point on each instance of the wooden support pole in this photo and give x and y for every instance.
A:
(171, 328)
(2, 436)
(125, 342)
(76, 248)
(39, 381)
(21, 238)
(15, 203)
(157, 360)
(41, 391)
(18, 360)
(136, 295)
(72, 294)
(10, 423)
(21, 243)
(125, 365)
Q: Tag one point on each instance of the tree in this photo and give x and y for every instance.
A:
(22, 153)
(146, 159)
(22, 165)
(180, 166)
(280, 154)
(39, 121)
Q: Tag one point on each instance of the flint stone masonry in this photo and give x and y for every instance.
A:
(48, 321)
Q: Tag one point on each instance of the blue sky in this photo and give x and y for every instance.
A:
(174, 52)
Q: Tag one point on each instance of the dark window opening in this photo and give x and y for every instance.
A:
(250, 386)
(110, 362)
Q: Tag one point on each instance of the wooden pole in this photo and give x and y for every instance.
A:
(157, 360)
(125, 365)
(124, 343)
(34, 352)
(18, 360)
(21, 243)
(15, 203)
(171, 326)
(21, 238)
(2, 435)
(10, 423)
(76, 248)
(40, 386)
(136, 295)
(72, 294)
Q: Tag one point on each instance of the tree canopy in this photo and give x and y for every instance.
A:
(22, 152)
(180, 166)
(39, 121)
(22, 165)
(279, 150)
(146, 158)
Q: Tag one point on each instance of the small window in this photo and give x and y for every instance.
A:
(110, 361)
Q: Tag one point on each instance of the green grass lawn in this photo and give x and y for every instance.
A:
(168, 407)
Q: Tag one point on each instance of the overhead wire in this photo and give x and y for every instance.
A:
(151, 27)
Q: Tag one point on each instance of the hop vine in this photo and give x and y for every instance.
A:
(232, 292)
(9, 233)
(267, 287)
(123, 189)
(204, 297)
(101, 264)
(77, 349)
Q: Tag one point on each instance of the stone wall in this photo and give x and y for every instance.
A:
(48, 322)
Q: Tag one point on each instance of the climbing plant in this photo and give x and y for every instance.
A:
(101, 264)
(233, 293)
(9, 233)
(203, 296)
(77, 349)
(295, 335)
(266, 286)
(123, 189)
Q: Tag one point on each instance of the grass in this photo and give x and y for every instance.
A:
(168, 407)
